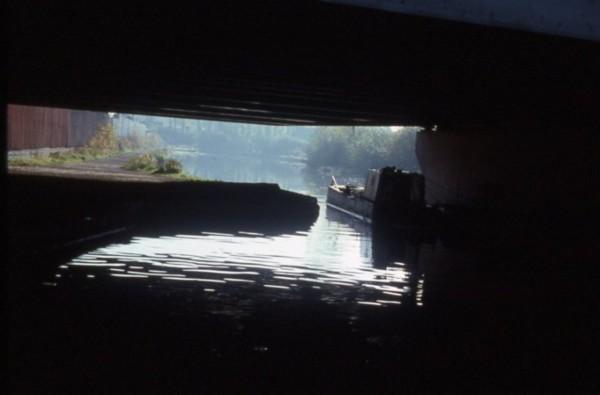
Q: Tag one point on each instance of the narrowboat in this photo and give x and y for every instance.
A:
(389, 196)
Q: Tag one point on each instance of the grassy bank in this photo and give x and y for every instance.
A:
(63, 157)
(158, 163)
(104, 143)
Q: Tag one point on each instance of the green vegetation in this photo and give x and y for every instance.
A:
(144, 162)
(350, 151)
(171, 166)
(103, 144)
(60, 158)
(156, 163)
(105, 139)
(346, 150)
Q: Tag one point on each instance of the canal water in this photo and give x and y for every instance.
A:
(335, 307)
(335, 262)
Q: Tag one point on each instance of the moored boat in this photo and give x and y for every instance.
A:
(389, 196)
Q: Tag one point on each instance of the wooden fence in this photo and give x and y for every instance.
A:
(32, 127)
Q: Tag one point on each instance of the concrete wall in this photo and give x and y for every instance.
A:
(510, 168)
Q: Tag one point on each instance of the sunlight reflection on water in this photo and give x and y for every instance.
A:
(334, 262)
(333, 259)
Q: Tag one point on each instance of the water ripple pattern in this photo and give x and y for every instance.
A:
(331, 263)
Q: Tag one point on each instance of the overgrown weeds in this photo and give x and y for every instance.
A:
(103, 144)
(105, 139)
(157, 163)
(143, 162)
(60, 158)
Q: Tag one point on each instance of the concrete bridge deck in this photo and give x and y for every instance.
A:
(310, 63)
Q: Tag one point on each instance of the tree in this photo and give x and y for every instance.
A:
(353, 150)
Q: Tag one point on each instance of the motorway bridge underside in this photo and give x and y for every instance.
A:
(315, 63)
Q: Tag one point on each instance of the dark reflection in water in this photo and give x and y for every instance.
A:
(339, 304)
(336, 262)
(333, 262)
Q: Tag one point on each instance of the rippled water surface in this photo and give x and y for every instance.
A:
(332, 262)
(234, 308)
